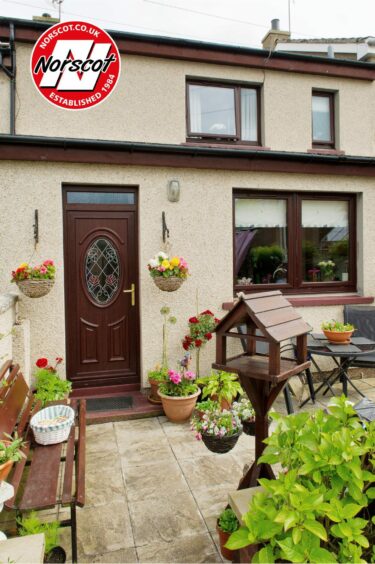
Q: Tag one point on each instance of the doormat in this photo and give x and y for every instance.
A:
(109, 404)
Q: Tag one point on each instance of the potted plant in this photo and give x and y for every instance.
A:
(179, 394)
(221, 386)
(35, 281)
(245, 412)
(321, 506)
(31, 525)
(337, 332)
(265, 260)
(10, 452)
(227, 524)
(159, 374)
(327, 270)
(48, 385)
(219, 430)
(201, 327)
(168, 273)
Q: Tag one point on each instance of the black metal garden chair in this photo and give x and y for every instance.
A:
(363, 319)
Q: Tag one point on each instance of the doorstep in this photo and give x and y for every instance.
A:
(141, 408)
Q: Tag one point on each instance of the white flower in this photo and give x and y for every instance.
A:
(162, 255)
(153, 263)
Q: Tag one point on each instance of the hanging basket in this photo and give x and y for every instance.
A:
(35, 288)
(249, 427)
(220, 445)
(170, 284)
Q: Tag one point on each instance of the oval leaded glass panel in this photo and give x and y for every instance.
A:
(102, 271)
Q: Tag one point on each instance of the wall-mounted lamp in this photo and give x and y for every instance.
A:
(173, 190)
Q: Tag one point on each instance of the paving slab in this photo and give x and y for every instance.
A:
(216, 470)
(162, 478)
(193, 548)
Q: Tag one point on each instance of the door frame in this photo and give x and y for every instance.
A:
(116, 384)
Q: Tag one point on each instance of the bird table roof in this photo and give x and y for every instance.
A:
(270, 312)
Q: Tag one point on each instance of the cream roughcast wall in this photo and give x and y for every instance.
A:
(200, 227)
(148, 105)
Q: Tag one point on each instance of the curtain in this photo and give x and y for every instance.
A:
(249, 125)
(242, 244)
(195, 107)
(258, 212)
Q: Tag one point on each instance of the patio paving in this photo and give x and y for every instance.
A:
(154, 492)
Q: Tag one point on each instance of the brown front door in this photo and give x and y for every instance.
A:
(101, 291)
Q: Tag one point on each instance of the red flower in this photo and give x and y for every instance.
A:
(207, 312)
(198, 343)
(59, 360)
(42, 362)
(188, 339)
(217, 320)
(185, 345)
(193, 320)
(208, 336)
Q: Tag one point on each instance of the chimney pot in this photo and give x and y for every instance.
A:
(275, 24)
(274, 35)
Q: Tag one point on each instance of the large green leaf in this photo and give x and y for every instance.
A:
(238, 539)
(264, 556)
(315, 528)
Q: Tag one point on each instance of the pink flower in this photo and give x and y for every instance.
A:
(174, 376)
(190, 375)
(48, 262)
(183, 263)
(42, 270)
(161, 268)
(198, 436)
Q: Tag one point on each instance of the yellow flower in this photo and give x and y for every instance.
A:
(165, 263)
(175, 261)
(23, 265)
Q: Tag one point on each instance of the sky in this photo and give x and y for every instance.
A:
(238, 22)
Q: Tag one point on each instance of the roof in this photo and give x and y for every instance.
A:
(330, 40)
(270, 312)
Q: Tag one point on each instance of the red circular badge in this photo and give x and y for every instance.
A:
(75, 65)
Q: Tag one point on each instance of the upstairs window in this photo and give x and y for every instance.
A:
(323, 120)
(223, 112)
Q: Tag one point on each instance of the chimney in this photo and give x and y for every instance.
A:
(45, 18)
(274, 35)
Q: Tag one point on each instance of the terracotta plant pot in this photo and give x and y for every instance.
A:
(153, 396)
(225, 552)
(338, 337)
(179, 409)
(5, 469)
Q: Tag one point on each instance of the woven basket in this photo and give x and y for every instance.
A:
(170, 284)
(220, 445)
(249, 427)
(52, 434)
(35, 288)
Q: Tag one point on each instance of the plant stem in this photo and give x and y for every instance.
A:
(164, 361)
(197, 362)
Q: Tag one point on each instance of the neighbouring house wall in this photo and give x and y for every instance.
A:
(200, 230)
(148, 105)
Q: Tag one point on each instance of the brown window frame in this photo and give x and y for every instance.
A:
(329, 143)
(295, 284)
(232, 139)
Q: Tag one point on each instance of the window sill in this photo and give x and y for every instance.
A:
(319, 300)
(207, 143)
(318, 151)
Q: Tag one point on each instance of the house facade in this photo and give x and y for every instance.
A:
(274, 158)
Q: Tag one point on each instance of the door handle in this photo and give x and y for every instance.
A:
(132, 292)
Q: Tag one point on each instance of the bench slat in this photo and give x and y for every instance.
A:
(4, 369)
(41, 485)
(12, 404)
(69, 462)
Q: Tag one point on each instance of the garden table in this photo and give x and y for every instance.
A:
(343, 356)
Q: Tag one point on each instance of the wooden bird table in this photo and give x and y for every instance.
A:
(270, 318)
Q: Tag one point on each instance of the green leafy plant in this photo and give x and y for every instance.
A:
(228, 521)
(321, 506)
(31, 525)
(159, 374)
(337, 326)
(11, 449)
(220, 385)
(266, 260)
(244, 409)
(49, 387)
(179, 384)
(207, 405)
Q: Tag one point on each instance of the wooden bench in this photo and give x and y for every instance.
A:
(49, 476)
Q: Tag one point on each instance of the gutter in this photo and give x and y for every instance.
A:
(66, 143)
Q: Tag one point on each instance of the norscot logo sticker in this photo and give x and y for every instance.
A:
(75, 65)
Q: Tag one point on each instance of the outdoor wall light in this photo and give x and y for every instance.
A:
(173, 190)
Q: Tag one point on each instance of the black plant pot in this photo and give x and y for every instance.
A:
(220, 445)
(57, 554)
